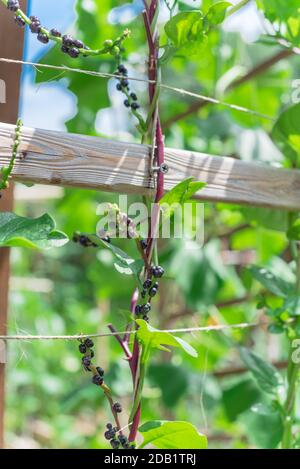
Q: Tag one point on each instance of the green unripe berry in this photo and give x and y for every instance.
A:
(115, 50)
(108, 43)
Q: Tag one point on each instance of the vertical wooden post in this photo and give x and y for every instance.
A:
(11, 46)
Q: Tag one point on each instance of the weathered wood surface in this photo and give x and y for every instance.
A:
(11, 46)
(76, 160)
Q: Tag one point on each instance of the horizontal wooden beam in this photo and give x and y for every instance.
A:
(66, 159)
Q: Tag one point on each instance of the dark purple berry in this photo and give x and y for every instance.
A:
(109, 426)
(64, 49)
(126, 103)
(68, 40)
(138, 309)
(82, 348)
(146, 318)
(100, 371)
(146, 308)
(97, 380)
(152, 292)
(122, 69)
(119, 87)
(107, 435)
(92, 353)
(147, 284)
(117, 407)
(89, 343)
(115, 444)
(144, 293)
(34, 19)
(19, 21)
(124, 83)
(42, 37)
(86, 361)
(79, 44)
(35, 27)
(13, 5)
(157, 271)
(122, 439)
(133, 96)
(74, 52)
(54, 32)
(135, 106)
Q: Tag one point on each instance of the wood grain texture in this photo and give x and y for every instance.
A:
(11, 46)
(95, 163)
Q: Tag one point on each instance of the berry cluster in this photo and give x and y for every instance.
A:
(117, 441)
(86, 242)
(71, 46)
(131, 100)
(150, 288)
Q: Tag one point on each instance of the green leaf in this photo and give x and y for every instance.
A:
(264, 426)
(266, 375)
(180, 194)
(35, 233)
(217, 13)
(172, 435)
(286, 132)
(154, 338)
(271, 282)
(186, 32)
(233, 404)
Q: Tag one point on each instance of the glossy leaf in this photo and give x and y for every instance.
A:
(154, 338)
(172, 435)
(35, 233)
(271, 282)
(286, 132)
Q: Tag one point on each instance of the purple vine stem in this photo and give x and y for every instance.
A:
(152, 38)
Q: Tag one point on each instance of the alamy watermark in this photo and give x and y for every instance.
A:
(296, 352)
(141, 221)
(2, 92)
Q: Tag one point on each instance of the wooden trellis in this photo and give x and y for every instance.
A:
(66, 159)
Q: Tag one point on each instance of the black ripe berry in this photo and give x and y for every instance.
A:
(146, 308)
(34, 19)
(79, 44)
(54, 32)
(152, 291)
(144, 293)
(19, 21)
(64, 49)
(117, 407)
(86, 361)
(109, 426)
(122, 439)
(97, 380)
(146, 318)
(74, 52)
(43, 38)
(119, 87)
(82, 348)
(126, 103)
(147, 284)
(135, 106)
(68, 40)
(89, 343)
(110, 434)
(92, 353)
(115, 444)
(100, 371)
(138, 309)
(157, 271)
(13, 5)
(124, 83)
(133, 96)
(122, 69)
(35, 27)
